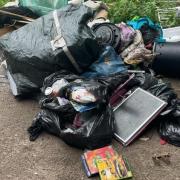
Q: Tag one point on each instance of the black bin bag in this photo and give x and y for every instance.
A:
(96, 130)
(157, 87)
(59, 40)
(111, 82)
(169, 128)
(91, 128)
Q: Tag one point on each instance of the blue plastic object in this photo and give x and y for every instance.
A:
(109, 63)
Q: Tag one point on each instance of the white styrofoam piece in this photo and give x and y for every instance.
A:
(172, 34)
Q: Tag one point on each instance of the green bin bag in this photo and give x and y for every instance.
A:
(42, 7)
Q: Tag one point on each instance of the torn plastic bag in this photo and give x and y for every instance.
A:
(59, 40)
(49, 117)
(45, 120)
(43, 7)
(96, 129)
(90, 129)
(82, 95)
(97, 90)
(169, 128)
(56, 87)
(66, 111)
(59, 75)
(108, 63)
(111, 82)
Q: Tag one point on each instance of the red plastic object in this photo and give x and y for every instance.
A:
(163, 142)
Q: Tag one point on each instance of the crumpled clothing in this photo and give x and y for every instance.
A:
(127, 35)
(136, 52)
(152, 32)
(138, 40)
(139, 55)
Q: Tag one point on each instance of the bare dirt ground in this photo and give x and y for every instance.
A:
(48, 158)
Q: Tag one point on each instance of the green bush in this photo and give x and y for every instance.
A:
(123, 10)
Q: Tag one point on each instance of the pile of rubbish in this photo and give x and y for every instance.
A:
(94, 76)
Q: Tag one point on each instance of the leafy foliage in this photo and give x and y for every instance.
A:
(123, 10)
(2, 2)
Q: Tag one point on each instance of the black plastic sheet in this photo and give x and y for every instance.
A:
(169, 128)
(96, 125)
(96, 131)
(111, 82)
(157, 87)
